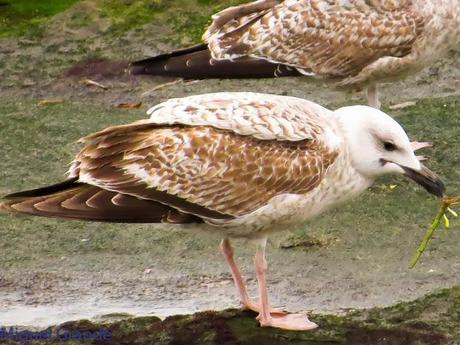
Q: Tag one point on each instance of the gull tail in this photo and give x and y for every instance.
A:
(75, 200)
(196, 63)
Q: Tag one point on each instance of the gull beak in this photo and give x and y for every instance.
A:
(427, 179)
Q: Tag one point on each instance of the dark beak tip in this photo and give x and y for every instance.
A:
(428, 180)
(439, 190)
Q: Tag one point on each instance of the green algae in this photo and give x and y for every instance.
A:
(21, 17)
(186, 20)
(430, 320)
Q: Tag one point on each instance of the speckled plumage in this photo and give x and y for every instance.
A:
(232, 164)
(231, 153)
(245, 164)
(356, 42)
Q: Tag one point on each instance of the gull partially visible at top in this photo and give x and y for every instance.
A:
(354, 44)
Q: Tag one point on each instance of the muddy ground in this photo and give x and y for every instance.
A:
(52, 271)
(431, 320)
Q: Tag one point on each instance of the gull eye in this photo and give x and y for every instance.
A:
(389, 146)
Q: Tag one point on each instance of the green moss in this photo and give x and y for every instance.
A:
(20, 17)
(402, 324)
(186, 20)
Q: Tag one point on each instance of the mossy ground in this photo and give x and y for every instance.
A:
(188, 19)
(432, 320)
(22, 17)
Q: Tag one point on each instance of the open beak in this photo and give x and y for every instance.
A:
(427, 179)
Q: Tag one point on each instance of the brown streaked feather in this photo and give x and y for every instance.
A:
(238, 15)
(333, 38)
(201, 170)
(81, 201)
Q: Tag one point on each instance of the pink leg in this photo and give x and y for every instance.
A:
(227, 251)
(245, 301)
(373, 96)
(261, 269)
(294, 322)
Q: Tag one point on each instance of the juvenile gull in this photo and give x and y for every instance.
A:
(239, 165)
(355, 43)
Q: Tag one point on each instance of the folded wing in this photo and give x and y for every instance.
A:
(335, 38)
(204, 171)
(211, 158)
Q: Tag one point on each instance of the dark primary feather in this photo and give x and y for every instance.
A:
(196, 63)
(74, 200)
(43, 191)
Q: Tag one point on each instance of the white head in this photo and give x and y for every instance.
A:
(378, 145)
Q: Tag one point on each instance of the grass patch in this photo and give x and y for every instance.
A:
(39, 144)
(20, 17)
(186, 19)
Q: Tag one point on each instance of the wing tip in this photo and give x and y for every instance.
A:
(43, 191)
(5, 207)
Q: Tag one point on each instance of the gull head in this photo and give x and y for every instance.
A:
(378, 145)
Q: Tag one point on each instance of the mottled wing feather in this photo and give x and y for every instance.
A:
(236, 17)
(245, 113)
(208, 172)
(108, 155)
(216, 156)
(335, 38)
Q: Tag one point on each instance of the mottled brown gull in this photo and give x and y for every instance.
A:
(236, 165)
(354, 43)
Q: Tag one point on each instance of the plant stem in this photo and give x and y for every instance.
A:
(446, 203)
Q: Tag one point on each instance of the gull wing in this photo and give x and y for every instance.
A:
(334, 38)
